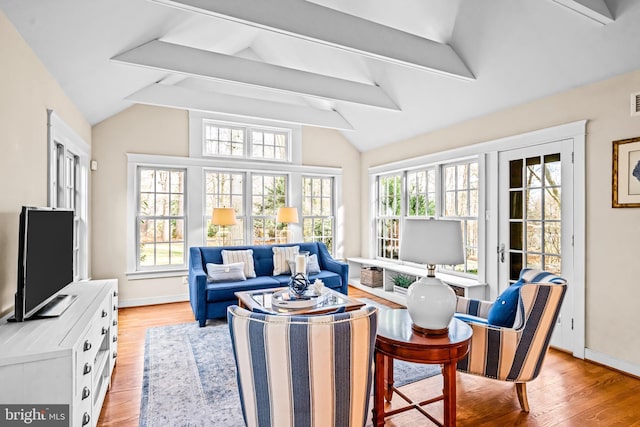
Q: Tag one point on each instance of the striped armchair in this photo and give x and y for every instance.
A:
(514, 353)
(303, 370)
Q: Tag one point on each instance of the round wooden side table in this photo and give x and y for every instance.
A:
(397, 340)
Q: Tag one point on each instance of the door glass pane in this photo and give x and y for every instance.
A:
(552, 237)
(515, 207)
(515, 235)
(552, 264)
(534, 204)
(534, 261)
(552, 169)
(552, 200)
(515, 173)
(515, 264)
(534, 232)
(534, 172)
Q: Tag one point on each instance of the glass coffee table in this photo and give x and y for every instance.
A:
(261, 299)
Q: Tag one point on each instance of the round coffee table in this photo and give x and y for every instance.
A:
(397, 340)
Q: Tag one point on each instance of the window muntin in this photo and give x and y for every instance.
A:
(389, 208)
(68, 195)
(461, 186)
(224, 190)
(317, 210)
(161, 218)
(268, 193)
(220, 140)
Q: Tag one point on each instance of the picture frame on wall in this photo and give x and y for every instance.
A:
(626, 173)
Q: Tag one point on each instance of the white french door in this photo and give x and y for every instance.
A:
(536, 221)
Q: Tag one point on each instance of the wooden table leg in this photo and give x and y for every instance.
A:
(388, 378)
(379, 389)
(449, 392)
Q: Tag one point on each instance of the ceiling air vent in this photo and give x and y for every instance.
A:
(635, 104)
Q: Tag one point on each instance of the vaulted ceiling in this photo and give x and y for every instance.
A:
(376, 70)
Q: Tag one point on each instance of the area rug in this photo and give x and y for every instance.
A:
(189, 377)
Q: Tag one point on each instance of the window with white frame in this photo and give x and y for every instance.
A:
(389, 214)
(268, 193)
(68, 186)
(246, 142)
(224, 190)
(317, 210)
(161, 218)
(460, 186)
(455, 184)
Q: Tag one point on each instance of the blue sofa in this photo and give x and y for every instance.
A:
(210, 300)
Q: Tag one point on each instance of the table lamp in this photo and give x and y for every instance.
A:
(223, 217)
(430, 302)
(287, 215)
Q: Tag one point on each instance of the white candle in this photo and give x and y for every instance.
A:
(300, 264)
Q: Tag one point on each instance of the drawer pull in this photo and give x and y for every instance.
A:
(104, 331)
(115, 308)
(87, 346)
(104, 313)
(85, 393)
(115, 323)
(85, 419)
(87, 369)
(115, 293)
(115, 338)
(115, 354)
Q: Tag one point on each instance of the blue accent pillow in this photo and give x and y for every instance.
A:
(503, 310)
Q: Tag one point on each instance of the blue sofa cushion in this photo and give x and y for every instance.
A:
(331, 280)
(503, 310)
(225, 291)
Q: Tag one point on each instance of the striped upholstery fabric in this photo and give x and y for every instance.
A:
(281, 257)
(304, 370)
(245, 255)
(516, 354)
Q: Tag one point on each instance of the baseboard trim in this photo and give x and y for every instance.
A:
(138, 302)
(612, 362)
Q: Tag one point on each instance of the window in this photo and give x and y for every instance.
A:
(317, 210)
(461, 202)
(455, 184)
(68, 186)
(161, 218)
(269, 145)
(223, 140)
(268, 193)
(224, 190)
(389, 214)
(246, 142)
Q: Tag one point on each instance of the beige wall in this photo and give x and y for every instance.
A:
(612, 278)
(27, 90)
(155, 130)
(327, 147)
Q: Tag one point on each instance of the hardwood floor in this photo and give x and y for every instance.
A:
(568, 392)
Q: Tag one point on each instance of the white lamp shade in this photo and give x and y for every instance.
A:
(223, 216)
(287, 215)
(432, 241)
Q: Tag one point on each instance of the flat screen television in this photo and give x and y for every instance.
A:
(45, 262)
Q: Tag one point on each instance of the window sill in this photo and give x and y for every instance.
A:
(155, 274)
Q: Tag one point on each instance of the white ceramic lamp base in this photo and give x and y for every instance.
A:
(431, 305)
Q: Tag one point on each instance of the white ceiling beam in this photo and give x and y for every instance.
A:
(211, 65)
(312, 22)
(179, 97)
(593, 9)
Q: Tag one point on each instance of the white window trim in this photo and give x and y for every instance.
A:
(195, 196)
(58, 132)
(196, 137)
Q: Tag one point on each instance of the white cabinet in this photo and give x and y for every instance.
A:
(462, 286)
(67, 359)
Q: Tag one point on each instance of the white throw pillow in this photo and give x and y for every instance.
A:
(281, 257)
(225, 272)
(246, 256)
(313, 267)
